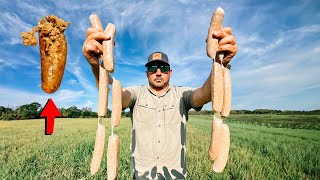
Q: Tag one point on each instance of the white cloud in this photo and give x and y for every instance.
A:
(65, 95)
(276, 60)
(4, 63)
(72, 82)
(277, 79)
(62, 98)
(89, 104)
(74, 67)
(314, 28)
(10, 26)
(34, 10)
(14, 97)
(22, 59)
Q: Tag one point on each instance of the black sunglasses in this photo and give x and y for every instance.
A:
(163, 69)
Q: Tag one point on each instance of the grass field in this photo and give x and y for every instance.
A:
(277, 120)
(256, 152)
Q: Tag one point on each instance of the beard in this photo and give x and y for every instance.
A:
(156, 85)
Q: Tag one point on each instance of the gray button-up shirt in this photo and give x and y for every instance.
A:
(159, 132)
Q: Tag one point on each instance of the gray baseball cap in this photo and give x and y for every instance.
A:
(158, 57)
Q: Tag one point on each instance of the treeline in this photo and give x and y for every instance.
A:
(260, 111)
(33, 111)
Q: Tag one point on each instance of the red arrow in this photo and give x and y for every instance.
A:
(50, 111)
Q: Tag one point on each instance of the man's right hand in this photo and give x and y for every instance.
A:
(92, 47)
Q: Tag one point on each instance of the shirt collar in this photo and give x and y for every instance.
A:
(150, 90)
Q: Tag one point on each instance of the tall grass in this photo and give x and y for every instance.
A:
(256, 152)
(279, 120)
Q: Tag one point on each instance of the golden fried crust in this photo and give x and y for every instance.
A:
(53, 60)
(53, 50)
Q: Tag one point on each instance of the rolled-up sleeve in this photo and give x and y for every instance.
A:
(134, 90)
(187, 94)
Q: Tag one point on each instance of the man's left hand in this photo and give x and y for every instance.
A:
(227, 44)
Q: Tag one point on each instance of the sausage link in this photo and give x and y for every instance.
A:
(116, 103)
(215, 136)
(107, 58)
(223, 151)
(98, 149)
(53, 62)
(227, 94)
(216, 87)
(95, 22)
(112, 156)
(215, 24)
(103, 92)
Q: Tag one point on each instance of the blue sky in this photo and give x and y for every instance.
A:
(277, 65)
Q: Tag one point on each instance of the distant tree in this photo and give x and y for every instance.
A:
(73, 112)
(2, 110)
(193, 112)
(86, 112)
(63, 112)
(277, 111)
(242, 111)
(206, 112)
(315, 112)
(108, 113)
(33, 110)
(8, 116)
(94, 114)
(28, 111)
(262, 111)
(125, 114)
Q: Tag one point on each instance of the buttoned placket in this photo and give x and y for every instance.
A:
(158, 124)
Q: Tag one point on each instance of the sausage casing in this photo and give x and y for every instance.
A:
(116, 103)
(53, 62)
(227, 92)
(112, 156)
(53, 50)
(98, 149)
(103, 92)
(215, 24)
(216, 133)
(95, 22)
(223, 150)
(216, 87)
(108, 46)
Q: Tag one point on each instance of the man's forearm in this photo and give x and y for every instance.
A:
(202, 95)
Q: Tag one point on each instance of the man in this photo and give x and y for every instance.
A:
(159, 110)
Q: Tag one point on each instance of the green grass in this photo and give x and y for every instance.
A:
(259, 152)
(279, 120)
(256, 152)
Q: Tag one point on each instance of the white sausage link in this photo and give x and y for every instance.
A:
(223, 150)
(103, 92)
(108, 46)
(215, 136)
(98, 149)
(116, 103)
(215, 24)
(95, 22)
(113, 156)
(216, 87)
(227, 94)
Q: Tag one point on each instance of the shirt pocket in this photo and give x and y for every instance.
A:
(146, 111)
(172, 113)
